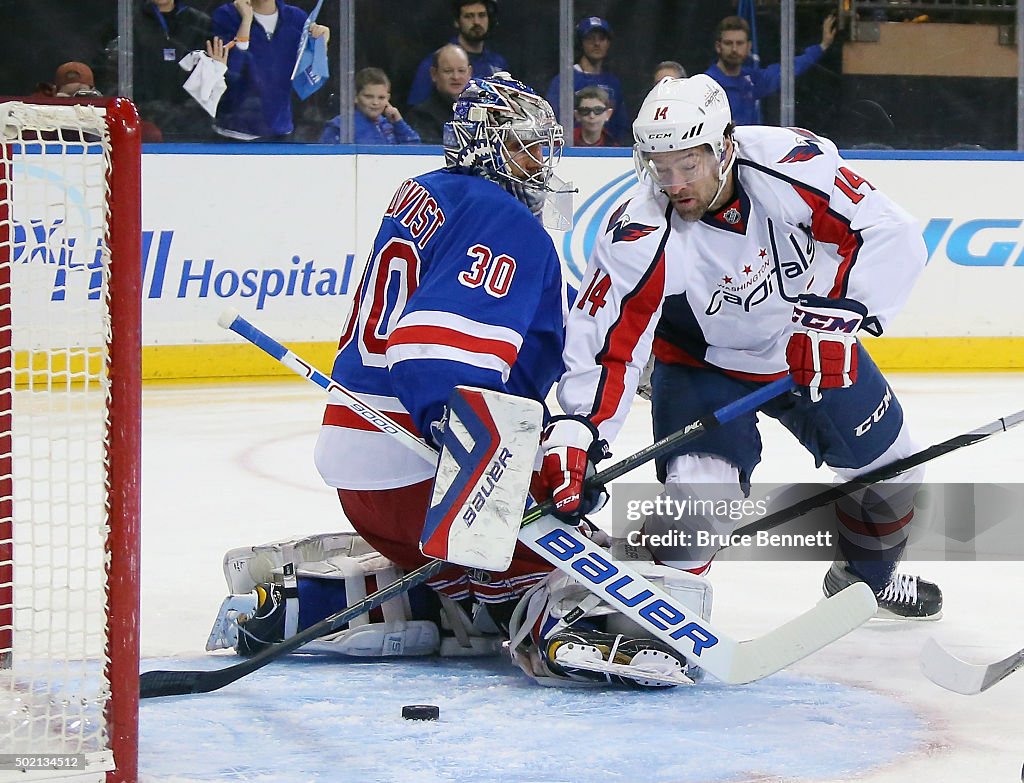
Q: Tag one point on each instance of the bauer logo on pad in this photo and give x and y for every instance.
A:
(483, 475)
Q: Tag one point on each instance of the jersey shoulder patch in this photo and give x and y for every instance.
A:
(623, 229)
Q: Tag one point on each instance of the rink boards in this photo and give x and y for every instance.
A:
(283, 231)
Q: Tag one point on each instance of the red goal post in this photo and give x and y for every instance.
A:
(70, 436)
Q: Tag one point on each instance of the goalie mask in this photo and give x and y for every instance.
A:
(680, 133)
(504, 131)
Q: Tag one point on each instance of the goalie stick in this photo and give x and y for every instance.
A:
(730, 661)
(946, 670)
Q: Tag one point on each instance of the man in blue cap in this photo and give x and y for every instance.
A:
(594, 39)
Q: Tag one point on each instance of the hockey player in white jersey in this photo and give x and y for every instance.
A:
(744, 254)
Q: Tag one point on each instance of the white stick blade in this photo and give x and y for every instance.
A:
(830, 620)
(949, 672)
(959, 676)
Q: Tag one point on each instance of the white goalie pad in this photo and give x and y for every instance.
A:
(488, 448)
(341, 556)
(247, 566)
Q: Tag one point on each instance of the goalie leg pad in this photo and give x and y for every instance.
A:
(247, 566)
(298, 596)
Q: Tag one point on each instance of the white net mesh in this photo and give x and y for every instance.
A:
(54, 335)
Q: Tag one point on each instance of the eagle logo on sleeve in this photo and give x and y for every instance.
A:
(801, 152)
(624, 231)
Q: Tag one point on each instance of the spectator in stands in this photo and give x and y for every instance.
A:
(375, 120)
(668, 69)
(593, 110)
(594, 40)
(163, 32)
(474, 21)
(71, 80)
(258, 103)
(746, 84)
(450, 73)
(74, 80)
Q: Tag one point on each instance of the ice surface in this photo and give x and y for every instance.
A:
(232, 465)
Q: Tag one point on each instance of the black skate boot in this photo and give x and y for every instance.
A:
(585, 654)
(906, 597)
(266, 625)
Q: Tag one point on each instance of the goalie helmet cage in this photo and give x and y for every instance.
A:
(70, 422)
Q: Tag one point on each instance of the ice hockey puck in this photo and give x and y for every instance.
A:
(420, 712)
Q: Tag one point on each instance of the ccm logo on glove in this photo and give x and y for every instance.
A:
(822, 351)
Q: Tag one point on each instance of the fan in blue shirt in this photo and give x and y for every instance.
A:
(746, 85)
(475, 21)
(375, 120)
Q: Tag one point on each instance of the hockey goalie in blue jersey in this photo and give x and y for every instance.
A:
(463, 287)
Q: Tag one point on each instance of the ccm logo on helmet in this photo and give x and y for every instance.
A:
(666, 135)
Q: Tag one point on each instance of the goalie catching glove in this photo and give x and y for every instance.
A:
(570, 447)
(822, 352)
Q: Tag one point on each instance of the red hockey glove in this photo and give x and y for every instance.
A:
(570, 448)
(822, 352)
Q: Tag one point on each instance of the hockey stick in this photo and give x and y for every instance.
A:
(946, 670)
(169, 683)
(883, 473)
(653, 609)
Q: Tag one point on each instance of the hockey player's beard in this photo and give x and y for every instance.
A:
(691, 203)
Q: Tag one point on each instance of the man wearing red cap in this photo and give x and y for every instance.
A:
(74, 79)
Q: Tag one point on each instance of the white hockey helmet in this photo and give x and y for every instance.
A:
(680, 114)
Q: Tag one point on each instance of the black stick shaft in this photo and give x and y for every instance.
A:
(884, 473)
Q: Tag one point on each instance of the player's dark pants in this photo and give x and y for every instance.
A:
(391, 521)
(847, 429)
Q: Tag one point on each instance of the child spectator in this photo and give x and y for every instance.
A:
(375, 120)
(593, 110)
(594, 40)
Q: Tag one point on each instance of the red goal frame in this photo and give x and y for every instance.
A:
(124, 233)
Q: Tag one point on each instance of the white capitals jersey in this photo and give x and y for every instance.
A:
(720, 292)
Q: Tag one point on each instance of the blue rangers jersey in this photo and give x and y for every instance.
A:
(719, 292)
(463, 286)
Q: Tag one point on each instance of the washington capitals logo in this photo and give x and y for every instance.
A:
(624, 231)
(802, 152)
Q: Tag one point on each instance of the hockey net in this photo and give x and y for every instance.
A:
(70, 403)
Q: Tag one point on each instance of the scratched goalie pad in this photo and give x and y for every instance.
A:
(487, 452)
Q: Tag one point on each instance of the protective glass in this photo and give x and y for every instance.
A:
(680, 167)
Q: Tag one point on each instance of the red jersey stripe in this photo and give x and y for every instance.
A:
(441, 335)
(829, 226)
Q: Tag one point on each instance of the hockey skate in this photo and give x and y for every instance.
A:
(265, 626)
(581, 653)
(561, 634)
(906, 597)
